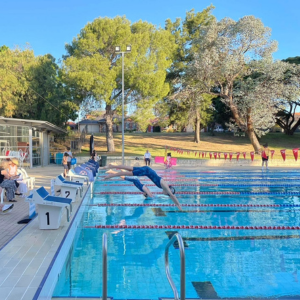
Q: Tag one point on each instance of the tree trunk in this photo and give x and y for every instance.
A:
(250, 132)
(109, 129)
(197, 129)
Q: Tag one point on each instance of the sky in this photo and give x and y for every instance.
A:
(47, 25)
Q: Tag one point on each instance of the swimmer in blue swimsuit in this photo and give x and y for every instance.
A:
(144, 171)
(146, 192)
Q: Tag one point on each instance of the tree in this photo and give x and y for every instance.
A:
(13, 85)
(288, 105)
(31, 88)
(93, 69)
(185, 106)
(228, 58)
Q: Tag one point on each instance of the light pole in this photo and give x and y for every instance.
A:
(118, 50)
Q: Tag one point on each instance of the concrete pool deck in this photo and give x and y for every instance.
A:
(27, 252)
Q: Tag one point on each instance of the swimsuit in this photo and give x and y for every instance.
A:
(146, 171)
(136, 182)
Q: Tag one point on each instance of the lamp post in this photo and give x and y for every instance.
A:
(118, 50)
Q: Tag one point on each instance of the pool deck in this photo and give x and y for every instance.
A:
(26, 251)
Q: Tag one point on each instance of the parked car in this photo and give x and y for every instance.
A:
(219, 129)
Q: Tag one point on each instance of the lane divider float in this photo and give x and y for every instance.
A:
(192, 205)
(204, 193)
(193, 227)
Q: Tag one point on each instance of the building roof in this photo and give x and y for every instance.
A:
(91, 122)
(40, 125)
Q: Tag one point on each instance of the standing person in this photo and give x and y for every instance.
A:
(146, 192)
(265, 156)
(147, 158)
(148, 172)
(168, 161)
(69, 157)
(65, 163)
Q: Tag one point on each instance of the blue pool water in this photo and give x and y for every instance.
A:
(222, 263)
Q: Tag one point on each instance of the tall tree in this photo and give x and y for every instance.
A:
(289, 104)
(228, 57)
(93, 68)
(188, 106)
(31, 88)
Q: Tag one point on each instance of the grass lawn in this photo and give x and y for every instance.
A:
(137, 143)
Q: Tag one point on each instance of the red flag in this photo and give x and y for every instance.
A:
(219, 155)
(230, 156)
(210, 155)
(283, 154)
(252, 155)
(225, 156)
(272, 153)
(215, 155)
(244, 154)
(202, 154)
(295, 152)
(238, 155)
(195, 153)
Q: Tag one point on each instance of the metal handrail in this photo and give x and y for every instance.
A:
(104, 266)
(182, 266)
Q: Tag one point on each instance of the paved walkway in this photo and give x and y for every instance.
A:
(9, 221)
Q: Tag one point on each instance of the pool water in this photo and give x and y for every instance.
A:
(220, 263)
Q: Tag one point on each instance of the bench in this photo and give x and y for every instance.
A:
(161, 160)
(50, 208)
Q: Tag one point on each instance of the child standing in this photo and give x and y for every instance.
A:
(65, 163)
(265, 156)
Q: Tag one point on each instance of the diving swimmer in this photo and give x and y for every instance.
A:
(146, 192)
(144, 171)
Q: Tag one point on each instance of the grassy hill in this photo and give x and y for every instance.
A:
(137, 143)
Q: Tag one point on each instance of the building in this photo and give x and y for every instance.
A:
(32, 138)
(94, 124)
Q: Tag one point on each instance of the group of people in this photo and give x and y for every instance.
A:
(167, 162)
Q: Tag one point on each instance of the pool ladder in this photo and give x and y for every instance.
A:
(104, 266)
(167, 268)
(182, 266)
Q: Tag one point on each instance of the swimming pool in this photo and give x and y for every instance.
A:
(235, 253)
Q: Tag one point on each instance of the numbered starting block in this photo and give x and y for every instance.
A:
(74, 177)
(68, 189)
(50, 208)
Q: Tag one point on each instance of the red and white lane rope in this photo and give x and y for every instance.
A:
(192, 205)
(193, 227)
(206, 193)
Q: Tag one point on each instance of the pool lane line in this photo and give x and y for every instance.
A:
(215, 180)
(205, 193)
(218, 185)
(192, 205)
(193, 227)
(239, 238)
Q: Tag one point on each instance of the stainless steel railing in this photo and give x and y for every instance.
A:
(182, 266)
(104, 266)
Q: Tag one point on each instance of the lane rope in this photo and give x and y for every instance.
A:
(193, 227)
(204, 193)
(192, 205)
(219, 185)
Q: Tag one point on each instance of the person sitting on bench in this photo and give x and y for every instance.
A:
(148, 172)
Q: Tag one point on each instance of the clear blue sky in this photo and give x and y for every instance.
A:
(48, 24)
